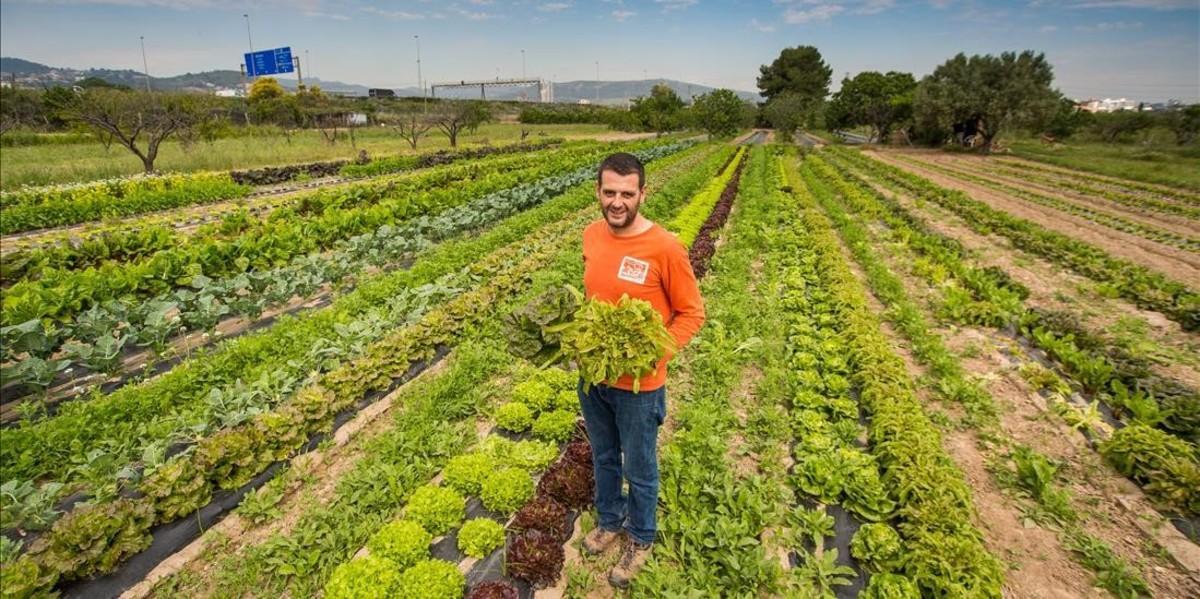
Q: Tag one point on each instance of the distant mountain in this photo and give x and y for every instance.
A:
(32, 74)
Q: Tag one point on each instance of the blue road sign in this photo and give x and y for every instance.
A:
(269, 62)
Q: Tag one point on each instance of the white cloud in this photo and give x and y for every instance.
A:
(1048, 28)
(554, 7)
(1113, 26)
(819, 12)
(669, 5)
(621, 15)
(1150, 4)
(763, 27)
(871, 7)
(399, 15)
(316, 14)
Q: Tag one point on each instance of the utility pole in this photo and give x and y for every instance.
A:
(597, 82)
(308, 63)
(145, 65)
(522, 63)
(420, 82)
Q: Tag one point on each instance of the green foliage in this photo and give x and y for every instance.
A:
(402, 542)
(432, 579)
(881, 101)
(890, 586)
(567, 401)
(608, 341)
(877, 546)
(556, 425)
(800, 70)
(465, 473)
(506, 490)
(24, 578)
(661, 111)
(529, 455)
(818, 577)
(479, 537)
(788, 112)
(537, 395)
(26, 506)
(436, 509)
(1166, 466)
(1000, 91)
(526, 328)
(368, 576)
(514, 416)
(719, 112)
(93, 539)
(262, 504)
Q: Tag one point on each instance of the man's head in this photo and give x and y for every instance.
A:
(621, 187)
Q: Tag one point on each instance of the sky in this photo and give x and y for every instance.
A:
(1147, 50)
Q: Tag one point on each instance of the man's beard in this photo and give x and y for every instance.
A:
(630, 215)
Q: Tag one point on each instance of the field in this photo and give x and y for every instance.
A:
(1163, 163)
(923, 374)
(62, 163)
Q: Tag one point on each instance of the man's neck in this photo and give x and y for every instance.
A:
(639, 225)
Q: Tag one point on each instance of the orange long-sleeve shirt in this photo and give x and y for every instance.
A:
(652, 266)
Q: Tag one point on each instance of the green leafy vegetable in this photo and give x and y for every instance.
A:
(608, 341)
(480, 536)
(403, 542)
(436, 509)
(506, 490)
(514, 416)
(369, 576)
(432, 579)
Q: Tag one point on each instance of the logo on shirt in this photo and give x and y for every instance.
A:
(633, 270)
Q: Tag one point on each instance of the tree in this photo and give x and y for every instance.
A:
(19, 108)
(873, 99)
(139, 121)
(1065, 121)
(718, 112)
(787, 112)
(800, 71)
(1112, 126)
(411, 126)
(661, 111)
(987, 94)
(265, 88)
(1185, 123)
(459, 117)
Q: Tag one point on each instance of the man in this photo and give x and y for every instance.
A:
(624, 253)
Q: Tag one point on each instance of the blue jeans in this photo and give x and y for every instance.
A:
(623, 427)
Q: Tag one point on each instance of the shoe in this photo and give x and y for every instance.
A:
(632, 560)
(599, 540)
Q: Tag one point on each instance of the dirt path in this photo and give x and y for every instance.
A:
(978, 167)
(1175, 264)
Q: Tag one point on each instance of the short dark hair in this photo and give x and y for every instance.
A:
(623, 163)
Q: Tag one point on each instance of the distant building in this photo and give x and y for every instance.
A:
(1107, 105)
(229, 93)
(376, 92)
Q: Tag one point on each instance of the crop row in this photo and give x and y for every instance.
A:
(1167, 466)
(1136, 283)
(329, 534)
(1137, 200)
(134, 238)
(58, 205)
(955, 385)
(943, 553)
(1101, 217)
(1172, 193)
(311, 225)
(101, 333)
(250, 370)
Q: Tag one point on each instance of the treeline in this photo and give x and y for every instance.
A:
(967, 100)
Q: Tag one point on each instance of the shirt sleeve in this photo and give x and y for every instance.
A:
(684, 294)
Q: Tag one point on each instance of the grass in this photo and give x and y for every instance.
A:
(1166, 164)
(62, 163)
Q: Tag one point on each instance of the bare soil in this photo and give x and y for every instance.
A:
(1174, 263)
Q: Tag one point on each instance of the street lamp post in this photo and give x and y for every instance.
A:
(145, 65)
(522, 63)
(597, 82)
(420, 82)
(248, 39)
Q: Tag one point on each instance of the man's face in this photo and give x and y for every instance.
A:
(620, 197)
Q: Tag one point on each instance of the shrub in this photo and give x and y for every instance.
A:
(370, 576)
(436, 509)
(506, 490)
(465, 473)
(402, 541)
(536, 558)
(432, 579)
(514, 416)
(480, 536)
(556, 426)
